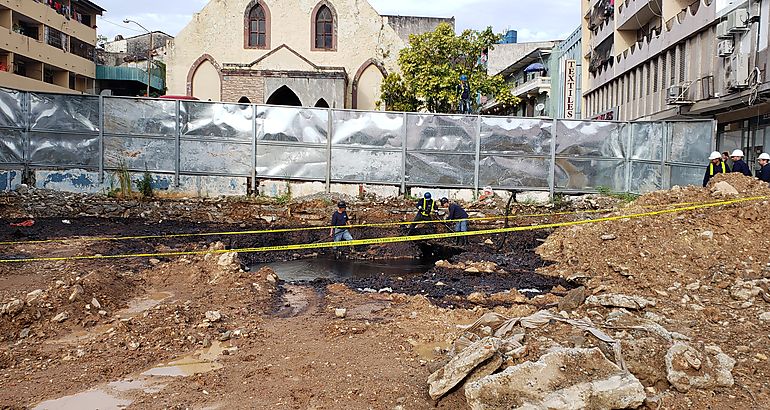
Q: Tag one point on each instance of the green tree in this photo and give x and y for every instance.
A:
(431, 67)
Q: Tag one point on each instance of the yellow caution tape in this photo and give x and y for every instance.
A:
(321, 228)
(395, 239)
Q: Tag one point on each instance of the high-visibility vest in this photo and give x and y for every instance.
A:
(425, 210)
(711, 169)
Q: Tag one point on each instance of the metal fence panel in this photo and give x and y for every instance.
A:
(687, 175)
(579, 174)
(291, 162)
(12, 108)
(368, 129)
(216, 157)
(647, 139)
(432, 132)
(49, 149)
(590, 139)
(139, 154)
(64, 113)
(691, 142)
(358, 165)
(440, 169)
(289, 124)
(126, 116)
(514, 172)
(519, 136)
(217, 120)
(11, 146)
(645, 177)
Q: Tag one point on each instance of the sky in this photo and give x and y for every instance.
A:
(535, 20)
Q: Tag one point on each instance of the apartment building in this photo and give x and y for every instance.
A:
(48, 45)
(665, 59)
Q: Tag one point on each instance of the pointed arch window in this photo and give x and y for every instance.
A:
(324, 29)
(257, 25)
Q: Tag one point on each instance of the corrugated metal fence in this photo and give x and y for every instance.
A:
(190, 138)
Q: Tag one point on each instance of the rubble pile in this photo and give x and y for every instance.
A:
(673, 312)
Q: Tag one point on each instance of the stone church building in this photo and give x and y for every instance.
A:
(324, 53)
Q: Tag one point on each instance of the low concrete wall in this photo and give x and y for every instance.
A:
(10, 179)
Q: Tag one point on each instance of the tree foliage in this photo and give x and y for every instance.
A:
(431, 67)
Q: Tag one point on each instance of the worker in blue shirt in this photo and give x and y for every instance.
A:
(764, 163)
(738, 164)
(340, 221)
(716, 166)
(459, 216)
(426, 207)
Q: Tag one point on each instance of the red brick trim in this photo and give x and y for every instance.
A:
(194, 67)
(252, 4)
(313, 26)
(359, 73)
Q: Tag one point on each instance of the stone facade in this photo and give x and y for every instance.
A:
(212, 57)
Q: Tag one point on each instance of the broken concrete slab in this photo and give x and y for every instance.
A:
(620, 301)
(688, 367)
(724, 188)
(461, 365)
(562, 379)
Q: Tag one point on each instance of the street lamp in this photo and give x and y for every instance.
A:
(149, 53)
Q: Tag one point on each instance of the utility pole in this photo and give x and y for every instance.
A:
(149, 54)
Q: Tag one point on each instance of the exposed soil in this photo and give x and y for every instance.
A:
(256, 342)
(83, 324)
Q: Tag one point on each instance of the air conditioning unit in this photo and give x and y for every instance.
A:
(725, 48)
(736, 71)
(722, 31)
(677, 94)
(738, 21)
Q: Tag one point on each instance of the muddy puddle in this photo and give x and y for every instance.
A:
(306, 270)
(122, 393)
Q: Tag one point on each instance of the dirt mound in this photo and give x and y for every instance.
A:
(701, 273)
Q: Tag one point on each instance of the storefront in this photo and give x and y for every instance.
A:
(750, 135)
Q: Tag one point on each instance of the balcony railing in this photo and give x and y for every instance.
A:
(536, 85)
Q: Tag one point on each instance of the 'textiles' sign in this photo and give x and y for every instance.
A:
(570, 88)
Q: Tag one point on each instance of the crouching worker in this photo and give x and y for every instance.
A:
(426, 207)
(459, 216)
(340, 222)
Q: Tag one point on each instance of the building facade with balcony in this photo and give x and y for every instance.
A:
(124, 63)
(526, 68)
(48, 45)
(673, 59)
(324, 53)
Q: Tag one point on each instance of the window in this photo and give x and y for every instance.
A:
(257, 27)
(324, 29)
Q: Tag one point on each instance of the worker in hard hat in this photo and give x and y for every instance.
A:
(738, 164)
(764, 167)
(459, 216)
(716, 166)
(426, 207)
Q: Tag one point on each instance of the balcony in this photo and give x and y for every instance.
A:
(129, 74)
(535, 86)
(635, 14)
(606, 30)
(42, 52)
(43, 13)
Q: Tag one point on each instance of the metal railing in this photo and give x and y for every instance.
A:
(191, 138)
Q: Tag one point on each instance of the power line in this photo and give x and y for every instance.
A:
(121, 26)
